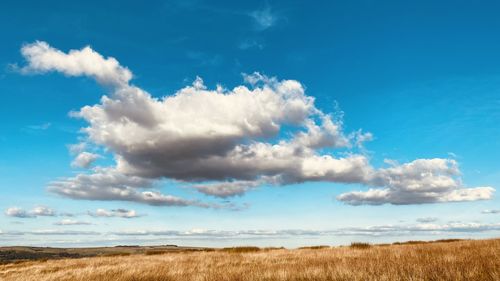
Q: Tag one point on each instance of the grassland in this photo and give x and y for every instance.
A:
(19, 254)
(442, 260)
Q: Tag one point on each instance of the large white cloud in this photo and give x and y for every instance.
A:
(226, 142)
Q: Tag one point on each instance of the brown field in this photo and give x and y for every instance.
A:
(413, 260)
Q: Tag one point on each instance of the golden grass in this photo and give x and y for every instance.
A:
(460, 260)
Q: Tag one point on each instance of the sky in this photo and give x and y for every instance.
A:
(267, 123)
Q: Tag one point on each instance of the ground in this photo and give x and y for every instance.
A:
(440, 260)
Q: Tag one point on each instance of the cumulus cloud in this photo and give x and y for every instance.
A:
(225, 142)
(85, 159)
(417, 182)
(43, 211)
(72, 222)
(119, 213)
(18, 213)
(39, 211)
(85, 62)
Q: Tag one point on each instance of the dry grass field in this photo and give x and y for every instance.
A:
(445, 260)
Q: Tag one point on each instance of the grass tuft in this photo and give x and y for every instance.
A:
(245, 249)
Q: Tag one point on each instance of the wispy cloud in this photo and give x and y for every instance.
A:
(251, 44)
(205, 59)
(43, 126)
(427, 219)
(264, 18)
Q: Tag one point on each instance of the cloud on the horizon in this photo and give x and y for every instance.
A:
(456, 229)
(60, 232)
(422, 228)
(72, 222)
(491, 212)
(226, 142)
(39, 211)
(428, 229)
(377, 230)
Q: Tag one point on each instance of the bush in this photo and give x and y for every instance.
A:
(246, 249)
(360, 245)
(314, 247)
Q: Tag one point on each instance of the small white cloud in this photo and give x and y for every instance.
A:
(43, 58)
(361, 137)
(77, 148)
(118, 213)
(43, 211)
(85, 159)
(18, 213)
(35, 212)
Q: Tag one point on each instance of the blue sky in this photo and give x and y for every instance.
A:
(418, 82)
